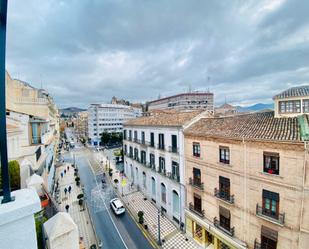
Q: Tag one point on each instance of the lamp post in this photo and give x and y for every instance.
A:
(159, 229)
(3, 145)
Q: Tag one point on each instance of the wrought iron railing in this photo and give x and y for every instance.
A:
(197, 210)
(227, 230)
(224, 196)
(196, 183)
(267, 214)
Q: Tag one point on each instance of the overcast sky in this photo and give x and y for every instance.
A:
(86, 51)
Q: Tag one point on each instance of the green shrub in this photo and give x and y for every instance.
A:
(14, 172)
(80, 196)
(140, 215)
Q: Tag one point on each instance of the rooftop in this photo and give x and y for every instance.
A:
(181, 95)
(253, 126)
(164, 118)
(298, 91)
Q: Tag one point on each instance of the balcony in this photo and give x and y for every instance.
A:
(135, 140)
(224, 196)
(228, 231)
(150, 144)
(173, 149)
(160, 147)
(162, 171)
(36, 140)
(137, 159)
(173, 177)
(265, 214)
(196, 183)
(129, 138)
(257, 245)
(196, 210)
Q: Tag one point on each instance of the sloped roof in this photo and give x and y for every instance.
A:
(298, 91)
(164, 118)
(59, 225)
(253, 126)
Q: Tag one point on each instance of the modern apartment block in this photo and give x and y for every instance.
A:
(108, 118)
(247, 178)
(81, 125)
(184, 101)
(153, 148)
(33, 124)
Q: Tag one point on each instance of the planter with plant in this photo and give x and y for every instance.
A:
(140, 215)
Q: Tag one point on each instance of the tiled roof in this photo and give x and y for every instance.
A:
(298, 91)
(253, 126)
(164, 118)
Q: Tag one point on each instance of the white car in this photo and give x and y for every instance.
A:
(117, 206)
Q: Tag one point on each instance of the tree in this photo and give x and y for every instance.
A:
(140, 215)
(105, 138)
(14, 172)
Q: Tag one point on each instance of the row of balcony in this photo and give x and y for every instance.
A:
(171, 149)
(163, 172)
(260, 212)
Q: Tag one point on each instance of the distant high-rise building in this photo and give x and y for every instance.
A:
(184, 101)
(108, 118)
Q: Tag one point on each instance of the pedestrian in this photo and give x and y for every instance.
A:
(69, 189)
(61, 175)
(67, 207)
(65, 171)
(68, 168)
(65, 191)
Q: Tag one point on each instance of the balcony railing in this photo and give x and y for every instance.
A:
(257, 245)
(161, 147)
(173, 177)
(162, 171)
(131, 155)
(264, 213)
(129, 138)
(173, 149)
(224, 196)
(36, 140)
(228, 231)
(195, 183)
(197, 210)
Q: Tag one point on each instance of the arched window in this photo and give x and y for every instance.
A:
(176, 207)
(132, 173)
(144, 180)
(163, 193)
(153, 187)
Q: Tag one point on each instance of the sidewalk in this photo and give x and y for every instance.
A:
(81, 218)
(135, 200)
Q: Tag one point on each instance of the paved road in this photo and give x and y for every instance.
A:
(115, 232)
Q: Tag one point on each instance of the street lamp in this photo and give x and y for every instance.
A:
(3, 145)
(159, 229)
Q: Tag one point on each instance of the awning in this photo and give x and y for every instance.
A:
(269, 233)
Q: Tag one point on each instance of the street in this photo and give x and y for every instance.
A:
(114, 232)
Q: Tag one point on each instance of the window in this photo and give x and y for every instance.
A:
(153, 187)
(135, 153)
(161, 141)
(161, 165)
(143, 137)
(175, 170)
(125, 149)
(125, 134)
(224, 156)
(271, 163)
(291, 106)
(163, 193)
(225, 218)
(144, 180)
(135, 136)
(270, 203)
(224, 187)
(197, 200)
(174, 143)
(196, 176)
(198, 232)
(130, 135)
(131, 151)
(152, 160)
(196, 150)
(152, 139)
(269, 238)
(143, 157)
(306, 105)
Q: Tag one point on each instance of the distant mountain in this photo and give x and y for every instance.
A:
(256, 107)
(70, 111)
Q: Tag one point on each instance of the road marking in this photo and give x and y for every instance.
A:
(107, 208)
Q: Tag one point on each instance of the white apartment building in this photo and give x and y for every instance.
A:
(153, 148)
(108, 118)
(184, 101)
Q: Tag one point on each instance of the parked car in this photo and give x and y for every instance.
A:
(117, 206)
